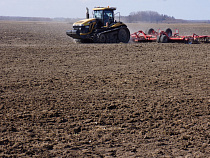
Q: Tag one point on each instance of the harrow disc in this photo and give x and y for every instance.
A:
(150, 31)
(168, 32)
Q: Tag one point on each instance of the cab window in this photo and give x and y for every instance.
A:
(108, 16)
(98, 14)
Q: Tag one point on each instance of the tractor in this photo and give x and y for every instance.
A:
(102, 28)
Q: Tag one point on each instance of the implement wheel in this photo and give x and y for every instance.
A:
(124, 35)
(158, 39)
(164, 39)
(207, 40)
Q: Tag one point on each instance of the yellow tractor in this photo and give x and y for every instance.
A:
(102, 28)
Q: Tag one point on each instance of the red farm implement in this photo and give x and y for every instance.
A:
(167, 36)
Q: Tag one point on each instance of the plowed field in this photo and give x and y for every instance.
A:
(61, 99)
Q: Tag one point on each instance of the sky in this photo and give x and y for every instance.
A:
(180, 9)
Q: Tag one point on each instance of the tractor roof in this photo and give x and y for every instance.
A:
(104, 8)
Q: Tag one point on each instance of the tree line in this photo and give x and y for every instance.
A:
(147, 16)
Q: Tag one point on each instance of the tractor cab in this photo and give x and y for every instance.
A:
(104, 15)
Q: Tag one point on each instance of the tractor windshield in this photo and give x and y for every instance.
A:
(98, 14)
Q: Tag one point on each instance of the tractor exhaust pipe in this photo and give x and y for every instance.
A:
(87, 13)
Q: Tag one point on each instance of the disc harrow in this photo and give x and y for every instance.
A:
(167, 36)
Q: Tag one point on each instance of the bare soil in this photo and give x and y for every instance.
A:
(61, 99)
